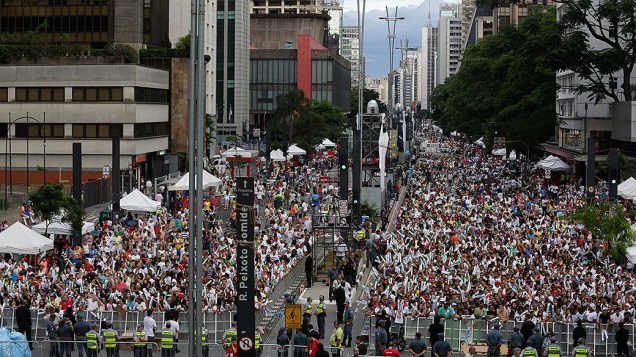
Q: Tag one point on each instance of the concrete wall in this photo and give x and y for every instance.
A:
(624, 121)
(128, 22)
(272, 31)
(179, 105)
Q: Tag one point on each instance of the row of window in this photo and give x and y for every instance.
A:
(84, 94)
(91, 131)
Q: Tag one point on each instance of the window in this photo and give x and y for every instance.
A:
(100, 131)
(3, 95)
(146, 130)
(37, 94)
(98, 94)
(28, 130)
(151, 95)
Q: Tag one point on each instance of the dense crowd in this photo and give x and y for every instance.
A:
(476, 239)
(140, 262)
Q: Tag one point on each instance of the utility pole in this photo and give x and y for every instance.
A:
(391, 20)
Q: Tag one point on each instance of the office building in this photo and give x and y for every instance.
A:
(449, 50)
(428, 64)
(334, 32)
(380, 85)
(281, 7)
(350, 49)
(514, 12)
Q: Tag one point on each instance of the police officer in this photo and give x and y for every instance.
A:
(553, 349)
(515, 341)
(140, 339)
(309, 310)
(581, 349)
(167, 341)
(494, 340)
(110, 337)
(92, 341)
(257, 343)
(529, 351)
(205, 349)
(359, 237)
(229, 336)
(321, 314)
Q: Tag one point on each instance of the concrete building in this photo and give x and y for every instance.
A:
(428, 64)
(482, 25)
(286, 7)
(514, 12)
(350, 49)
(408, 72)
(334, 32)
(380, 85)
(449, 50)
(467, 11)
(86, 103)
(95, 23)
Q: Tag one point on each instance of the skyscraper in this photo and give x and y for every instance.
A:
(450, 41)
(350, 49)
(429, 64)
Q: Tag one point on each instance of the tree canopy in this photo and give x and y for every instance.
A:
(506, 84)
(50, 200)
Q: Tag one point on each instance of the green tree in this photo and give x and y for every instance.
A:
(73, 214)
(608, 221)
(48, 199)
(335, 121)
(612, 24)
(290, 107)
(505, 84)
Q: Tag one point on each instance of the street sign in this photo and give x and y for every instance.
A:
(246, 344)
(293, 316)
(106, 171)
(246, 326)
(343, 207)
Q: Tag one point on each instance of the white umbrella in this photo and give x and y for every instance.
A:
(295, 150)
(138, 202)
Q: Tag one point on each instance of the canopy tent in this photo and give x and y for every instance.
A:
(183, 184)
(328, 143)
(237, 152)
(138, 202)
(277, 155)
(455, 133)
(480, 142)
(513, 155)
(630, 254)
(20, 239)
(61, 228)
(295, 150)
(499, 152)
(553, 163)
(626, 187)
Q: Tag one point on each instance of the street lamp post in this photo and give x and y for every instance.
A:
(8, 141)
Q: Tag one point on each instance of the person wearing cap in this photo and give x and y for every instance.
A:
(494, 339)
(348, 317)
(321, 314)
(529, 351)
(536, 339)
(417, 347)
(92, 341)
(80, 329)
(442, 348)
(581, 349)
(515, 341)
(110, 337)
(381, 337)
(140, 339)
(552, 349)
(230, 335)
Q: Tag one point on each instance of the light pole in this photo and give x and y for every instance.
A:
(8, 142)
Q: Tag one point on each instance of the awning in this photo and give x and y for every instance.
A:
(556, 150)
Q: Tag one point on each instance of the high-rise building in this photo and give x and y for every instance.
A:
(514, 12)
(350, 49)
(467, 12)
(450, 32)
(428, 64)
(286, 7)
(378, 84)
(96, 23)
(334, 32)
(408, 77)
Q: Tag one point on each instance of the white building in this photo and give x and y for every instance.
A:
(286, 6)
(380, 85)
(428, 65)
(350, 50)
(87, 104)
(450, 41)
(334, 9)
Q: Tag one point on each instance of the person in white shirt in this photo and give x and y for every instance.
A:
(150, 325)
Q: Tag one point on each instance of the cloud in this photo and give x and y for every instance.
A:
(376, 44)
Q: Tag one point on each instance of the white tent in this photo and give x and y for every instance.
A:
(513, 155)
(183, 184)
(630, 254)
(295, 150)
(20, 239)
(277, 155)
(328, 143)
(239, 152)
(499, 152)
(61, 228)
(553, 163)
(628, 185)
(138, 202)
(480, 142)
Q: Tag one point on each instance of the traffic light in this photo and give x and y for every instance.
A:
(614, 173)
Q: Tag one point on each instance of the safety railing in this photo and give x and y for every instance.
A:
(459, 331)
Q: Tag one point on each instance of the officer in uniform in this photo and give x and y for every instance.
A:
(515, 341)
(529, 351)
(553, 349)
(92, 341)
(229, 336)
(309, 310)
(167, 341)
(494, 340)
(321, 314)
(110, 338)
(140, 339)
(581, 349)
(257, 343)
(359, 237)
(204, 342)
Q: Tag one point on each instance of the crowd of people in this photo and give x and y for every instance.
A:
(476, 239)
(140, 262)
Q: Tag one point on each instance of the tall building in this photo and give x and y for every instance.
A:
(408, 77)
(350, 49)
(467, 12)
(97, 23)
(514, 12)
(450, 32)
(429, 64)
(232, 69)
(378, 84)
(334, 32)
(286, 7)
